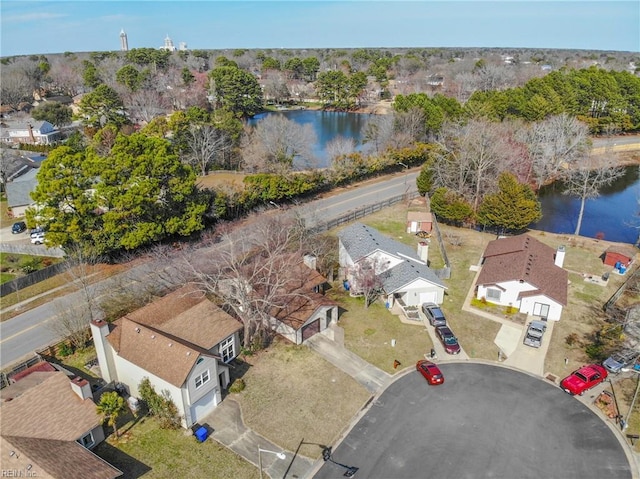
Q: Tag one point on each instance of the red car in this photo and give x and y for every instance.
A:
(430, 371)
(584, 379)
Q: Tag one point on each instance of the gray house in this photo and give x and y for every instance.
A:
(19, 192)
(403, 271)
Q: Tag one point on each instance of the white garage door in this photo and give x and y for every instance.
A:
(429, 297)
(203, 406)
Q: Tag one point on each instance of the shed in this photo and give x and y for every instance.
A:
(619, 254)
(419, 221)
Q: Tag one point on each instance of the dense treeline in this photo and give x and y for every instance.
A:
(489, 131)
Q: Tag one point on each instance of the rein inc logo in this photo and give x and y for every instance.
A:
(26, 472)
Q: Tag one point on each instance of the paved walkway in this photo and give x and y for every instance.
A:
(230, 431)
(371, 377)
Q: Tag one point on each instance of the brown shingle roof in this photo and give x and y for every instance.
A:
(56, 459)
(300, 308)
(50, 410)
(163, 355)
(186, 313)
(419, 216)
(523, 258)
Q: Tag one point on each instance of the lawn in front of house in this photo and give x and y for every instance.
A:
(369, 332)
(291, 393)
(146, 450)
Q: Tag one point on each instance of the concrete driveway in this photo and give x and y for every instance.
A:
(484, 421)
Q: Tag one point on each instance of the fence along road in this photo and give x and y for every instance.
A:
(30, 331)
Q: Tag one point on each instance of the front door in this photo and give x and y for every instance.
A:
(541, 309)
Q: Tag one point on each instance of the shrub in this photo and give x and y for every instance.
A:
(159, 405)
(237, 386)
(571, 339)
(65, 350)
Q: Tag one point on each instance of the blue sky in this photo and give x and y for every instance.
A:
(55, 26)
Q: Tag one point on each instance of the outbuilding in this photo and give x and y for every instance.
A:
(619, 255)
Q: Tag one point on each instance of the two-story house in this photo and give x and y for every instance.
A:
(182, 342)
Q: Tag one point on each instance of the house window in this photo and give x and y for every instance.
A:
(87, 440)
(493, 294)
(227, 350)
(203, 378)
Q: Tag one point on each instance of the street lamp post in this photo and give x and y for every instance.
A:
(279, 455)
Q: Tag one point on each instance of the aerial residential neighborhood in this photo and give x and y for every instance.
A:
(308, 251)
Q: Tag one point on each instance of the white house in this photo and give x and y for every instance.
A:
(182, 343)
(404, 273)
(35, 132)
(522, 272)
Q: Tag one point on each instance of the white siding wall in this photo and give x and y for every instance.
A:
(411, 292)
(296, 336)
(555, 309)
(510, 297)
(131, 375)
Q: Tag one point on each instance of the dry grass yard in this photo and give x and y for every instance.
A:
(292, 394)
(221, 178)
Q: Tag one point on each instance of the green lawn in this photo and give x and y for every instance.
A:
(13, 265)
(146, 450)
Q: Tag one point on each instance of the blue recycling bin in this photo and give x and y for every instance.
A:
(201, 434)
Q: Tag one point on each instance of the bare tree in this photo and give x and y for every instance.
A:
(204, 143)
(256, 272)
(65, 76)
(366, 279)
(146, 104)
(468, 157)
(555, 145)
(412, 124)
(16, 87)
(276, 143)
(586, 179)
(340, 146)
(72, 322)
(379, 132)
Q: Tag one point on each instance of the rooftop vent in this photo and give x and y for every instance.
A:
(137, 330)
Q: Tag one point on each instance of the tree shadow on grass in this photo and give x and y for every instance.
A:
(130, 466)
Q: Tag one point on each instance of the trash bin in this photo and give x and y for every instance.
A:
(201, 434)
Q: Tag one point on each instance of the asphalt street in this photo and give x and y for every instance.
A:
(484, 421)
(25, 333)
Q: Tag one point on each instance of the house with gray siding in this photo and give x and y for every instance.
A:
(404, 273)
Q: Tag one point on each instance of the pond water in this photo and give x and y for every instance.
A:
(613, 216)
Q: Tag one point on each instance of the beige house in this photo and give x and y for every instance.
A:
(181, 342)
(48, 426)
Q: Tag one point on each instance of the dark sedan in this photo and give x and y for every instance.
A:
(448, 340)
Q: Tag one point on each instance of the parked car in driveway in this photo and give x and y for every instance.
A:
(535, 331)
(18, 227)
(621, 359)
(448, 339)
(430, 372)
(434, 314)
(583, 379)
(37, 238)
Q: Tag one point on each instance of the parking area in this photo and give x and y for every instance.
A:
(484, 421)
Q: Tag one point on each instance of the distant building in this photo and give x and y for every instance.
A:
(124, 43)
(168, 45)
(182, 46)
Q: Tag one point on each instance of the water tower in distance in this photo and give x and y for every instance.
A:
(124, 43)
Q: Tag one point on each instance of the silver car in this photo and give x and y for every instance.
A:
(434, 314)
(621, 359)
(535, 331)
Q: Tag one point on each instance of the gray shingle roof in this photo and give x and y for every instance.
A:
(18, 190)
(361, 240)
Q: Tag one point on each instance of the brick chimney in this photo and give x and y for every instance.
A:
(31, 135)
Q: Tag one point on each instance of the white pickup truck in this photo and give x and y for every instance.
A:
(535, 331)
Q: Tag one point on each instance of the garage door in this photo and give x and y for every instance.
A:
(203, 406)
(310, 329)
(429, 297)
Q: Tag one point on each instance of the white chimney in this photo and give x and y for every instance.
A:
(81, 387)
(310, 261)
(100, 331)
(423, 251)
(559, 260)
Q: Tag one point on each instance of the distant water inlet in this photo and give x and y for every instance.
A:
(613, 216)
(327, 125)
